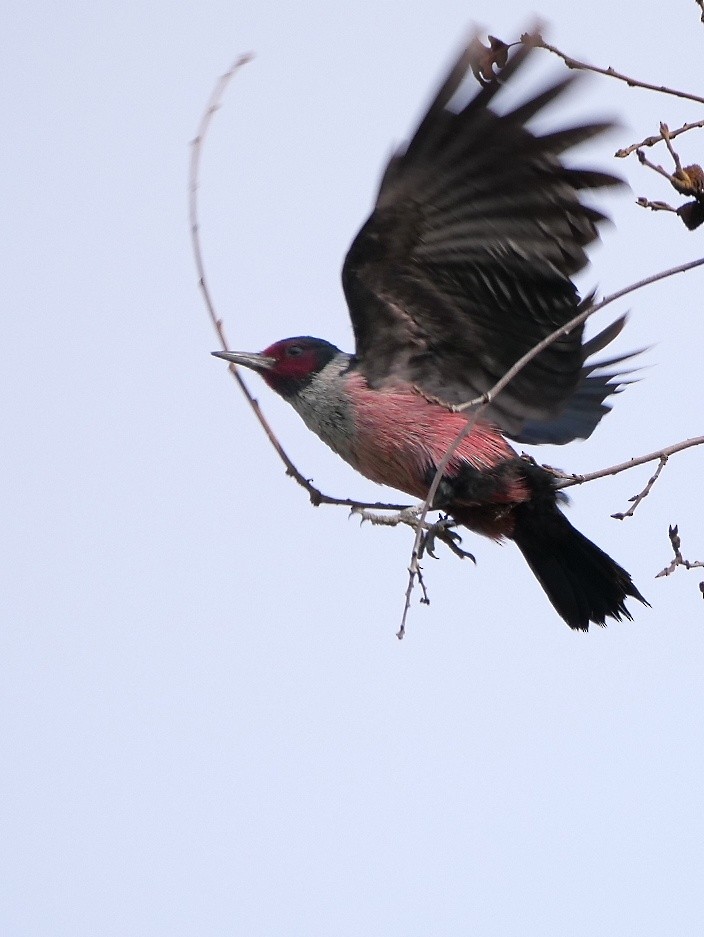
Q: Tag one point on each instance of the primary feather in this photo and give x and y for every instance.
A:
(465, 264)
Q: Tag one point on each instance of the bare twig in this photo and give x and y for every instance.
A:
(429, 533)
(636, 499)
(679, 560)
(569, 480)
(687, 180)
(612, 73)
(317, 497)
(425, 598)
(654, 206)
(644, 161)
(658, 138)
(667, 137)
(196, 151)
(211, 107)
(414, 573)
(691, 213)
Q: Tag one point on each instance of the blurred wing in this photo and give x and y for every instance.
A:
(465, 262)
(588, 403)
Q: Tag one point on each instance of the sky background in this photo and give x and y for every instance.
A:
(207, 724)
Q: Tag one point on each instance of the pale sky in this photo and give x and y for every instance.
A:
(208, 725)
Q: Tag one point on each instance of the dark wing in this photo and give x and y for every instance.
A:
(465, 262)
(587, 405)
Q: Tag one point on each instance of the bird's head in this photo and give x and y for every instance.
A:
(288, 365)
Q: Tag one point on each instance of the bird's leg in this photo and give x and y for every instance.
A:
(442, 529)
(407, 516)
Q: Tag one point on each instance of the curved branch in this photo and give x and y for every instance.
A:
(316, 496)
(612, 73)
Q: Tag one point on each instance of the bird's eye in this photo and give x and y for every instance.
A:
(293, 351)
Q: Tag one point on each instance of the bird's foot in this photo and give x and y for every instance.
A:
(444, 530)
(439, 530)
(407, 516)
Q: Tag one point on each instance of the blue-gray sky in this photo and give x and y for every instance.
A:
(207, 724)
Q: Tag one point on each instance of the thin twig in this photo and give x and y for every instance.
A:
(196, 151)
(686, 181)
(636, 499)
(612, 73)
(425, 598)
(567, 481)
(317, 497)
(679, 560)
(691, 213)
(653, 140)
(654, 206)
(644, 161)
(193, 184)
(667, 137)
(414, 573)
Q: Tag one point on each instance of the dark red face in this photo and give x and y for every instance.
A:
(297, 360)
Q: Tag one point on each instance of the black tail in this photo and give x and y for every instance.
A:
(583, 583)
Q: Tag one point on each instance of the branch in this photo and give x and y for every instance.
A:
(317, 497)
(644, 202)
(567, 481)
(636, 499)
(679, 560)
(610, 72)
(687, 180)
(657, 138)
(691, 213)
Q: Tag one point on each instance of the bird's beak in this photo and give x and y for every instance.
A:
(247, 359)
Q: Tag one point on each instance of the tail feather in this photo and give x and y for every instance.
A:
(582, 582)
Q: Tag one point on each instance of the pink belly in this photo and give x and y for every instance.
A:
(400, 437)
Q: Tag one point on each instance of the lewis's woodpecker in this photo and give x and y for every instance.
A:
(463, 266)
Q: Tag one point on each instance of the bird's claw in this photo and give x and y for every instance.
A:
(443, 530)
(406, 516)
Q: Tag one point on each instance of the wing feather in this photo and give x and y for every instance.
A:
(466, 261)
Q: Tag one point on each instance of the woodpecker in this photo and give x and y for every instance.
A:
(463, 266)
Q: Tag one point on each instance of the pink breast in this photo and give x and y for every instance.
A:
(400, 436)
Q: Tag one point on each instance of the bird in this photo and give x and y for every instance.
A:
(464, 264)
